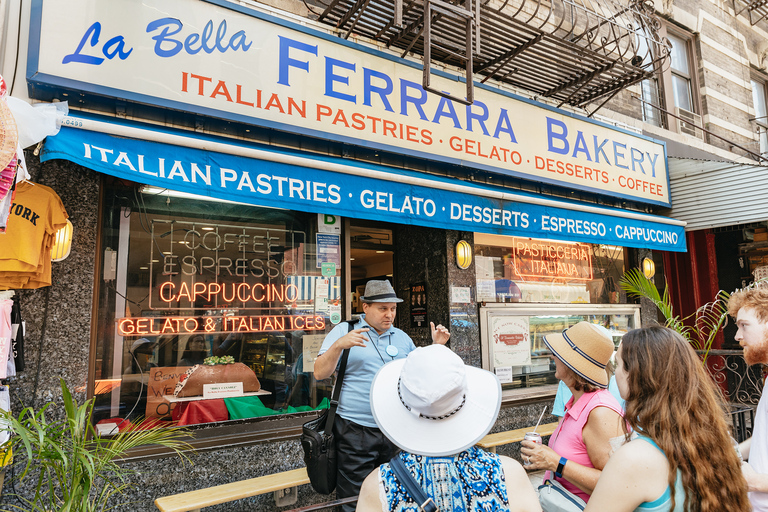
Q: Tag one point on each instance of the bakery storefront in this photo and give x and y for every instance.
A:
(185, 277)
(265, 170)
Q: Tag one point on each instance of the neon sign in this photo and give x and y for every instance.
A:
(228, 292)
(218, 265)
(153, 326)
(552, 260)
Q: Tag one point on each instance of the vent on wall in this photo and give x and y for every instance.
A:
(688, 123)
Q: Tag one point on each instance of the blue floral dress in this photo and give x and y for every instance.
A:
(472, 481)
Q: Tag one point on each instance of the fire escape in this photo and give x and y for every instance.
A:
(574, 52)
(757, 10)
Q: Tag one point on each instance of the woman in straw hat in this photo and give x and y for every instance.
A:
(435, 409)
(683, 458)
(580, 446)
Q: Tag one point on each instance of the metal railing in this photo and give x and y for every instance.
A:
(741, 384)
(574, 52)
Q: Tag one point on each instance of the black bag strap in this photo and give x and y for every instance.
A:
(337, 387)
(405, 477)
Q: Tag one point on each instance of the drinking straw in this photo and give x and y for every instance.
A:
(541, 416)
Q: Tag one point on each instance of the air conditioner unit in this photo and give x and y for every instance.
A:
(688, 123)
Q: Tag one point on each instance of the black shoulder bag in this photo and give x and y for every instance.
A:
(415, 491)
(317, 438)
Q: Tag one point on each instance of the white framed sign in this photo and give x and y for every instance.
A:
(511, 340)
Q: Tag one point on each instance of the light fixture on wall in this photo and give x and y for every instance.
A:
(649, 268)
(463, 254)
(62, 243)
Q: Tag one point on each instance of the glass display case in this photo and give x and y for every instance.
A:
(512, 336)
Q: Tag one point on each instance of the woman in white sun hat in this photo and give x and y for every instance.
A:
(580, 446)
(434, 408)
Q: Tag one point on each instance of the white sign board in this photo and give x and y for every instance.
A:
(461, 295)
(321, 295)
(222, 390)
(311, 347)
(504, 373)
(511, 341)
(328, 224)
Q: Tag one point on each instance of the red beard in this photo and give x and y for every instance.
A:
(757, 353)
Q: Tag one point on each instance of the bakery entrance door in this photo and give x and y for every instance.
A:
(371, 248)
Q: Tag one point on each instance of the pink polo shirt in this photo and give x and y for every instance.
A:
(567, 439)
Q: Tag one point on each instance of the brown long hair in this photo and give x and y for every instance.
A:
(673, 401)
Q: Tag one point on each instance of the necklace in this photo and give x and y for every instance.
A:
(391, 350)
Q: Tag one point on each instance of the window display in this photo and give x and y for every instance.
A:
(515, 269)
(512, 336)
(208, 311)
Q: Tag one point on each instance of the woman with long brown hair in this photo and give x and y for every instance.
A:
(683, 458)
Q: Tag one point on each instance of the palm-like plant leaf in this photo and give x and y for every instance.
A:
(75, 469)
(705, 322)
(636, 284)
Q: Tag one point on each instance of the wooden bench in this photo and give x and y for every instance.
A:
(195, 500)
(491, 441)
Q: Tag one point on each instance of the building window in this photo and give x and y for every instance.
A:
(650, 87)
(674, 89)
(761, 113)
(530, 288)
(184, 279)
(651, 96)
(681, 75)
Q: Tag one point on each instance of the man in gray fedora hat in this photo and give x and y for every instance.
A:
(360, 445)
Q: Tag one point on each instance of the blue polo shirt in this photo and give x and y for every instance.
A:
(362, 365)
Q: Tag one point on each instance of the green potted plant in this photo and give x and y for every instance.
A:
(73, 469)
(699, 328)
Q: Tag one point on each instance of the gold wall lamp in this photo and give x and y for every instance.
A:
(62, 243)
(463, 254)
(649, 268)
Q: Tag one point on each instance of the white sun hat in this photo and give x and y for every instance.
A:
(432, 404)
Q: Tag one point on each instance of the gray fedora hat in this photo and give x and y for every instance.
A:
(379, 291)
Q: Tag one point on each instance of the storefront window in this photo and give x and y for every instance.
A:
(183, 280)
(513, 336)
(513, 269)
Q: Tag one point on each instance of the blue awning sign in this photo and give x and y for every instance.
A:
(400, 197)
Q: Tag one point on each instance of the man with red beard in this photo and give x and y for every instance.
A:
(750, 308)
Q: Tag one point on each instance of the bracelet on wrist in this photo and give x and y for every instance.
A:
(560, 467)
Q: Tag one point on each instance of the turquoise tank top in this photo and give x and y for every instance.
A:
(664, 502)
(472, 481)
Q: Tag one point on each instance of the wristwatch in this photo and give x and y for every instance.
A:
(560, 467)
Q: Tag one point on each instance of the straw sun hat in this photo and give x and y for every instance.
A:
(586, 349)
(9, 136)
(431, 404)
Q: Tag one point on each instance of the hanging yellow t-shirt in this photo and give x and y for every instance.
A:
(37, 211)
